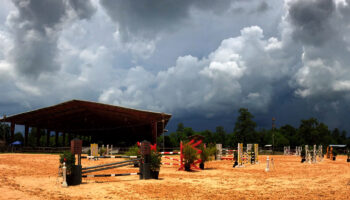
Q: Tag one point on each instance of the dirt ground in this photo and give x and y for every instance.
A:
(35, 176)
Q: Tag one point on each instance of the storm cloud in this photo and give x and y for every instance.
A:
(147, 18)
(199, 60)
(36, 26)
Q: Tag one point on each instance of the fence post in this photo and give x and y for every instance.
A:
(76, 148)
(145, 167)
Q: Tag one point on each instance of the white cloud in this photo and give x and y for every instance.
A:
(139, 47)
(228, 78)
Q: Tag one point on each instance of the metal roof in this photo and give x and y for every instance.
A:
(84, 117)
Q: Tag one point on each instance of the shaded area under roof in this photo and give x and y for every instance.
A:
(98, 120)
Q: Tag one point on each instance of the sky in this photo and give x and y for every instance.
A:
(199, 60)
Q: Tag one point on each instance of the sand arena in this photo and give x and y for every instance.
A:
(35, 176)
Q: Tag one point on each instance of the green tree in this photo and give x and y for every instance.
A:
(343, 137)
(174, 140)
(324, 135)
(280, 140)
(290, 133)
(188, 132)
(208, 136)
(220, 136)
(231, 140)
(307, 131)
(180, 127)
(180, 132)
(19, 137)
(244, 129)
(265, 137)
(179, 135)
(167, 141)
(336, 135)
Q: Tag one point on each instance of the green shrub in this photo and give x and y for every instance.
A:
(156, 160)
(69, 159)
(211, 149)
(204, 154)
(190, 155)
(102, 151)
(133, 151)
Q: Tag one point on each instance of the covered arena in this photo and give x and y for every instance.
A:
(101, 122)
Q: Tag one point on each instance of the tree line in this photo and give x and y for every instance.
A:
(310, 131)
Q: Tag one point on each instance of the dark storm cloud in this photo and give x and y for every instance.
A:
(147, 18)
(36, 28)
(84, 9)
(262, 7)
(311, 20)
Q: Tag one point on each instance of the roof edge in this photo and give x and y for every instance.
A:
(84, 101)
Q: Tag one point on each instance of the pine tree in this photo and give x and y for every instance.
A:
(244, 130)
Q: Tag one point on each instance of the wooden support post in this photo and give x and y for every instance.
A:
(38, 136)
(154, 132)
(48, 137)
(56, 138)
(12, 137)
(64, 139)
(26, 130)
(69, 137)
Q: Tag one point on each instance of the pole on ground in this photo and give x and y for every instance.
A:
(218, 151)
(267, 164)
(64, 171)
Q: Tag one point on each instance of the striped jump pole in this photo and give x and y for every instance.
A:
(109, 175)
(108, 164)
(170, 153)
(93, 157)
(171, 164)
(105, 168)
(229, 150)
(171, 158)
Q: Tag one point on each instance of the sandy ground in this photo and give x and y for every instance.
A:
(35, 176)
